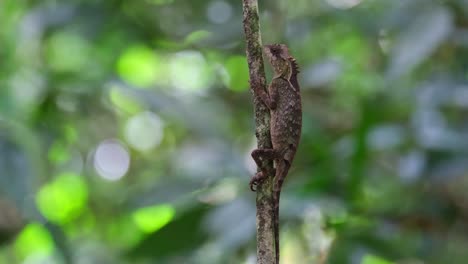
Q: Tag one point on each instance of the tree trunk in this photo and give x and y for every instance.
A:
(265, 207)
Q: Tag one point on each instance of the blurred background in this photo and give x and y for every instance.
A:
(126, 129)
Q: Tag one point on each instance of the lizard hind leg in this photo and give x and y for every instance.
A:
(259, 156)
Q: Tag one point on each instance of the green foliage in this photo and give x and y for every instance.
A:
(59, 55)
(34, 239)
(238, 74)
(371, 259)
(124, 102)
(58, 153)
(63, 199)
(150, 219)
(197, 37)
(140, 66)
(161, 245)
(126, 129)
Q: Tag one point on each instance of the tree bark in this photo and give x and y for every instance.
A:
(265, 206)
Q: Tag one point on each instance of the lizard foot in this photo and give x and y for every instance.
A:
(258, 178)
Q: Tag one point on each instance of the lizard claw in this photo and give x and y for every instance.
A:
(256, 180)
(253, 183)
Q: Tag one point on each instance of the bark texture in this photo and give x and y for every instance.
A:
(265, 202)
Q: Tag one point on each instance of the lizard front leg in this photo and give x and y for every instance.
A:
(269, 99)
(260, 155)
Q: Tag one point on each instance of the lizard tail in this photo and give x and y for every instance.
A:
(281, 172)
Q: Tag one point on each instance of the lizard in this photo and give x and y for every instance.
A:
(284, 102)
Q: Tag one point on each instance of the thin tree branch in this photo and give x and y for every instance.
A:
(265, 212)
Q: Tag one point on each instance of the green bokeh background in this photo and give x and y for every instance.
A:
(126, 129)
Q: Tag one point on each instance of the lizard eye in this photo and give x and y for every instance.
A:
(275, 51)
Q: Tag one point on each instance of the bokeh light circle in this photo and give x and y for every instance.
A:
(111, 160)
(144, 131)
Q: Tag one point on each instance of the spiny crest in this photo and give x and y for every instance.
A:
(294, 66)
(294, 71)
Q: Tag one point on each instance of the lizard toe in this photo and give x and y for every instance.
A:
(253, 185)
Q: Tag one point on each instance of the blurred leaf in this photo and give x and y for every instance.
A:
(371, 259)
(426, 32)
(175, 238)
(123, 232)
(352, 48)
(58, 152)
(139, 66)
(124, 101)
(197, 37)
(238, 73)
(152, 218)
(168, 44)
(336, 221)
(160, 2)
(369, 110)
(349, 58)
(71, 135)
(33, 239)
(68, 52)
(63, 199)
(190, 72)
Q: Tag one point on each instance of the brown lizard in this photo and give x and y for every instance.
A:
(284, 101)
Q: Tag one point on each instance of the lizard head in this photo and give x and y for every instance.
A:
(278, 55)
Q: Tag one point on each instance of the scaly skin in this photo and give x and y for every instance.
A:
(284, 101)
